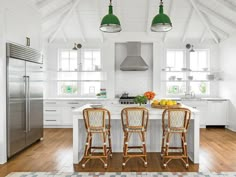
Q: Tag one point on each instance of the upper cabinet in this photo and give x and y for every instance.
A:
(22, 20)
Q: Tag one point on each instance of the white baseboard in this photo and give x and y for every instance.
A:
(230, 128)
(57, 126)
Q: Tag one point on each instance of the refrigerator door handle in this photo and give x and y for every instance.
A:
(26, 103)
(28, 85)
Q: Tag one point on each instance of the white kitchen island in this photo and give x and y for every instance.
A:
(154, 132)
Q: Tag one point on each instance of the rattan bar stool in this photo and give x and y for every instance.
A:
(134, 120)
(175, 121)
(97, 121)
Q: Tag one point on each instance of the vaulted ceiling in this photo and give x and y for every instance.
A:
(192, 19)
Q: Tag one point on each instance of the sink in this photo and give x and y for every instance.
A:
(190, 99)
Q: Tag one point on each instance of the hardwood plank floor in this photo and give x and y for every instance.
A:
(54, 154)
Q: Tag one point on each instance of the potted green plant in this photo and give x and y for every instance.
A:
(140, 99)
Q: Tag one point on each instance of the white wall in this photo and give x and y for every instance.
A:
(133, 82)
(228, 85)
(116, 84)
(51, 63)
(18, 20)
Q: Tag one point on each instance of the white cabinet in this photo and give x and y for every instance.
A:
(212, 113)
(52, 116)
(202, 106)
(67, 108)
(217, 113)
(58, 113)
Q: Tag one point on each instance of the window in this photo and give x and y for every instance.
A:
(186, 72)
(199, 63)
(79, 72)
(175, 61)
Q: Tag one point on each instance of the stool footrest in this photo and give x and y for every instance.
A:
(134, 147)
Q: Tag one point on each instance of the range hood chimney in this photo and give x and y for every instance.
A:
(133, 61)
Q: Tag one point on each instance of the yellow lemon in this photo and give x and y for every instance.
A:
(163, 102)
(156, 102)
(169, 103)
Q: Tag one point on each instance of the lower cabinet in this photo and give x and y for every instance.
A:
(59, 113)
(202, 106)
(212, 113)
(217, 113)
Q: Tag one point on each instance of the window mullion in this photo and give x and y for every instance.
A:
(187, 73)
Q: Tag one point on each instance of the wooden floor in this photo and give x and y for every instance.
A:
(54, 154)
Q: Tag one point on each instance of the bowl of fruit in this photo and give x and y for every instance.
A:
(164, 104)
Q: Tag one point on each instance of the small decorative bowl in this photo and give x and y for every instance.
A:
(96, 105)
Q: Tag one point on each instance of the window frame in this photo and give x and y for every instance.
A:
(186, 60)
(79, 81)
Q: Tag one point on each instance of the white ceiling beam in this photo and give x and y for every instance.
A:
(64, 35)
(220, 31)
(215, 28)
(57, 13)
(187, 25)
(44, 3)
(149, 17)
(81, 29)
(204, 21)
(203, 37)
(227, 4)
(64, 21)
(99, 13)
(170, 15)
(206, 10)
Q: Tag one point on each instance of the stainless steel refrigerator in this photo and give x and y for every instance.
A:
(24, 97)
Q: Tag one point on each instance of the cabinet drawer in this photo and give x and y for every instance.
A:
(51, 110)
(50, 103)
(51, 122)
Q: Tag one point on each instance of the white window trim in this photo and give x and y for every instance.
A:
(187, 65)
(79, 84)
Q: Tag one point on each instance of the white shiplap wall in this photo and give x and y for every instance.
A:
(228, 86)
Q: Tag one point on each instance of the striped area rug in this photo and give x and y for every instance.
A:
(122, 174)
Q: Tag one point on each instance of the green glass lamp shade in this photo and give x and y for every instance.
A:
(110, 23)
(161, 22)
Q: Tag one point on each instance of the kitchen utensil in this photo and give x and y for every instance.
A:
(190, 78)
(172, 78)
(210, 77)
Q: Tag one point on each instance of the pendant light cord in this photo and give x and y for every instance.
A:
(161, 2)
(110, 2)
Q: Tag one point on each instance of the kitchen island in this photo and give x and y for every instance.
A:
(154, 131)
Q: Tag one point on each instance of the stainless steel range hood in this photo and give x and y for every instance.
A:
(133, 61)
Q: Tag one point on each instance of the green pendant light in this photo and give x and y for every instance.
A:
(161, 22)
(110, 23)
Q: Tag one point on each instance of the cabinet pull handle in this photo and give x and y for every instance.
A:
(50, 102)
(51, 110)
(51, 120)
(73, 103)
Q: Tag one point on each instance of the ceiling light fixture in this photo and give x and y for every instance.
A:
(76, 46)
(190, 47)
(161, 22)
(110, 23)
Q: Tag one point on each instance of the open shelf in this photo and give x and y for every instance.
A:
(188, 80)
(186, 71)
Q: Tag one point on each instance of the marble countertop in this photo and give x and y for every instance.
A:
(115, 109)
(75, 99)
